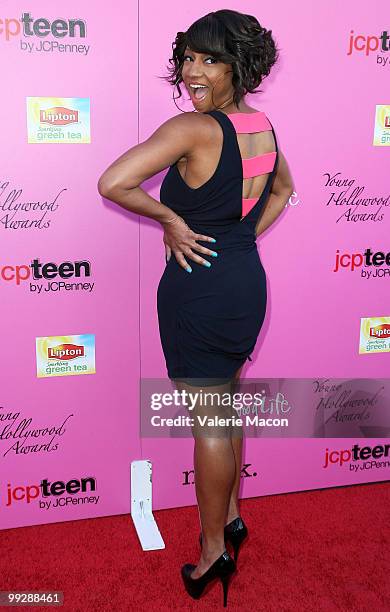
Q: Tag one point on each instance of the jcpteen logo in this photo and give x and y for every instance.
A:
(375, 262)
(53, 494)
(38, 34)
(41, 27)
(19, 273)
(357, 453)
(359, 43)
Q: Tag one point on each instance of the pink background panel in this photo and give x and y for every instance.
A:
(321, 103)
(102, 436)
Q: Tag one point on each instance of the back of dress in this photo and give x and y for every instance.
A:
(218, 204)
(210, 319)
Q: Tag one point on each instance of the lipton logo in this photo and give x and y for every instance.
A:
(65, 352)
(387, 121)
(58, 115)
(380, 331)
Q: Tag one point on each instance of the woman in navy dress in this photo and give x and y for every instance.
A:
(227, 182)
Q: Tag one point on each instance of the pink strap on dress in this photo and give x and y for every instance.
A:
(248, 123)
(260, 164)
(248, 204)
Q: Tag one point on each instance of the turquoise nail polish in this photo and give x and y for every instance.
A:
(213, 240)
(214, 254)
(207, 263)
(189, 269)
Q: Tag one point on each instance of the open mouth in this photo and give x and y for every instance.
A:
(198, 92)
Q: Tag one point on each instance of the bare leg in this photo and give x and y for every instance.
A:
(233, 511)
(215, 471)
(214, 466)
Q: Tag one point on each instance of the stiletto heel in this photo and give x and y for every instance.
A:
(225, 585)
(222, 568)
(235, 532)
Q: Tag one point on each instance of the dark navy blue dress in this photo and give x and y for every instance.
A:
(209, 320)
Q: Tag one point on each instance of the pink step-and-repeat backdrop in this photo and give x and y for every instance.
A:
(78, 274)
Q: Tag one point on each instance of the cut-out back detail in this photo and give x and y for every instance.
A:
(250, 123)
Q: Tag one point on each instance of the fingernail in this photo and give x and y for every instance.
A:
(189, 269)
(207, 263)
(213, 240)
(214, 254)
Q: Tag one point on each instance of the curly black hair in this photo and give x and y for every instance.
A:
(233, 38)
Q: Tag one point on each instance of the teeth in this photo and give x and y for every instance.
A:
(197, 86)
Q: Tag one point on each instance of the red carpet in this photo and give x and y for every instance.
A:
(325, 550)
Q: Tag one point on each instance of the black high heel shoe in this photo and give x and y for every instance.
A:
(235, 532)
(222, 568)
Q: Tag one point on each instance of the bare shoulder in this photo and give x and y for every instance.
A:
(198, 126)
(193, 118)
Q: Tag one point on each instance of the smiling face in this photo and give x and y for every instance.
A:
(214, 75)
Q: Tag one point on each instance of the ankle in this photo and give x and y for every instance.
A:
(233, 513)
(212, 554)
(212, 548)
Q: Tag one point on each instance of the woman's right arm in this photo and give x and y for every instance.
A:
(120, 183)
